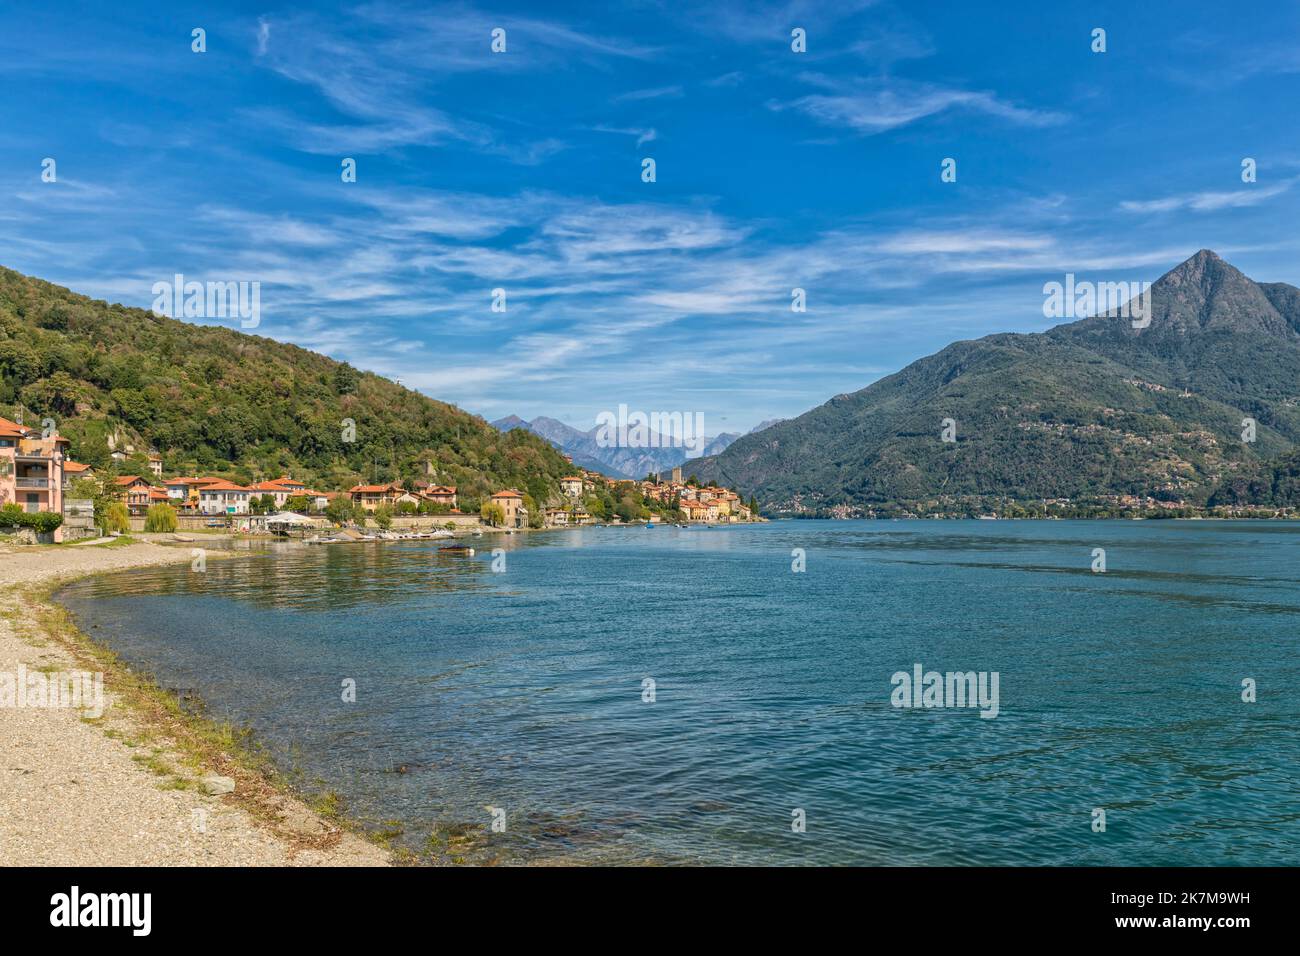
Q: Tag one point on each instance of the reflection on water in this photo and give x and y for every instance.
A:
(523, 690)
(319, 577)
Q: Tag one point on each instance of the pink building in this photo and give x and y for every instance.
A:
(31, 468)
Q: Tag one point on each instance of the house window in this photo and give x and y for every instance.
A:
(33, 503)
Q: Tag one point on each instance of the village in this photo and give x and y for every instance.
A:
(38, 480)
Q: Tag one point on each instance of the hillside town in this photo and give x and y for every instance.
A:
(37, 477)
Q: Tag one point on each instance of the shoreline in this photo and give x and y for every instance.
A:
(145, 783)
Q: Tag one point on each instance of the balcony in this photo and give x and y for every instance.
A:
(32, 484)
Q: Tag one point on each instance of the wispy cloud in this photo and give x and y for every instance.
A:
(1210, 201)
(642, 136)
(656, 93)
(771, 22)
(876, 106)
(379, 67)
(677, 291)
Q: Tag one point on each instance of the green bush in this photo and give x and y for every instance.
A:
(160, 517)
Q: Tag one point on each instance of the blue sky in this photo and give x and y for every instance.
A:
(522, 171)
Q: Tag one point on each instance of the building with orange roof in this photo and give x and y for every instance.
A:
(439, 494)
(184, 492)
(224, 498)
(696, 510)
(134, 491)
(281, 489)
(512, 505)
(73, 470)
(371, 497)
(31, 468)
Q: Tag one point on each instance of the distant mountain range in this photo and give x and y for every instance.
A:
(1094, 407)
(634, 463)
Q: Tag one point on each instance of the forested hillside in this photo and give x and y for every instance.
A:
(213, 400)
(1090, 409)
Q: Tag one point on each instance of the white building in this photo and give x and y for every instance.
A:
(223, 498)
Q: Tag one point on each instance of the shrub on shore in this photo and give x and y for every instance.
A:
(115, 519)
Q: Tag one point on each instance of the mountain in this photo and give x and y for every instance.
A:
(716, 446)
(214, 400)
(1275, 483)
(572, 442)
(1093, 407)
(587, 452)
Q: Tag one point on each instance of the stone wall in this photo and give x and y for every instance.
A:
(78, 519)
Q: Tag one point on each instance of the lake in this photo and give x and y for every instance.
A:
(528, 690)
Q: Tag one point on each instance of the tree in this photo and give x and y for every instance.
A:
(384, 517)
(160, 517)
(96, 489)
(629, 509)
(535, 517)
(493, 514)
(239, 406)
(339, 510)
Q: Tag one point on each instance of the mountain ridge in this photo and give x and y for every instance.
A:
(246, 407)
(617, 462)
(1093, 407)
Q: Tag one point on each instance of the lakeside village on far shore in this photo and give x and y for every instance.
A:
(46, 496)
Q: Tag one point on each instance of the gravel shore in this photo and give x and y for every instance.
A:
(116, 791)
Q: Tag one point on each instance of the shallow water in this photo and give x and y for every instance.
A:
(523, 690)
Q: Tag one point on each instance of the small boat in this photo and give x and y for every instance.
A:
(458, 549)
(649, 524)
